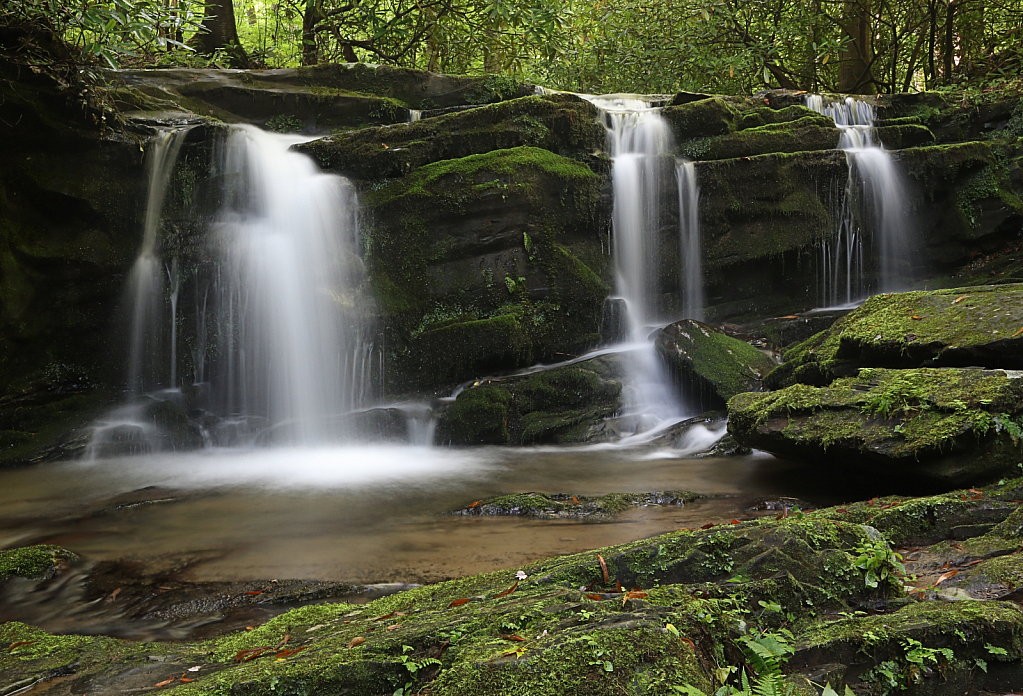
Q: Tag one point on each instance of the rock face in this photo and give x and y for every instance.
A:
(830, 578)
(709, 366)
(927, 427)
(561, 405)
(978, 326)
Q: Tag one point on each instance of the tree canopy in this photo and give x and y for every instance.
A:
(729, 46)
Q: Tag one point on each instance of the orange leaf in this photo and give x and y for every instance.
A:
(384, 617)
(707, 526)
(356, 641)
(575, 500)
(735, 521)
(916, 317)
(476, 504)
(1020, 331)
(959, 299)
(843, 510)
(20, 643)
(113, 595)
(618, 585)
(973, 563)
(790, 316)
(250, 628)
(385, 146)
(458, 603)
(594, 597)
(289, 653)
(974, 490)
(688, 640)
(165, 682)
(603, 567)
(634, 595)
(945, 576)
(393, 626)
(254, 592)
(246, 655)
(283, 642)
(508, 591)
(513, 637)
(186, 680)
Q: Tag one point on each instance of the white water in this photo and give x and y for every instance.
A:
(639, 140)
(874, 211)
(693, 301)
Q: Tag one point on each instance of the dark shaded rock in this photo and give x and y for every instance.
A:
(778, 333)
(953, 116)
(564, 506)
(944, 328)
(709, 366)
(927, 427)
(685, 97)
(559, 405)
(487, 263)
(563, 124)
(897, 137)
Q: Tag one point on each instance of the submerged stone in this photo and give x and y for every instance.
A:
(978, 326)
(566, 506)
(709, 366)
(925, 427)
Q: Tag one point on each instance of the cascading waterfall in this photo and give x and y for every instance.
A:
(639, 140)
(877, 183)
(693, 301)
(278, 336)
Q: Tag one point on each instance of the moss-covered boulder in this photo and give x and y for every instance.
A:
(978, 326)
(708, 365)
(487, 263)
(560, 405)
(561, 123)
(33, 562)
(562, 506)
(924, 427)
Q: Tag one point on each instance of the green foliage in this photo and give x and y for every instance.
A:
(880, 565)
(284, 123)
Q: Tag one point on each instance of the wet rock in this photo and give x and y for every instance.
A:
(709, 366)
(34, 562)
(778, 333)
(559, 405)
(564, 124)
(959, 327)
(565, 506)
(925, 427)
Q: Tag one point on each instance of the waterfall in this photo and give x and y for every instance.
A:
(145, 283)
(877, 184)
(693, 301)
(640, 142)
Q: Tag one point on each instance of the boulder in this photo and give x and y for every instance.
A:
(958, 327)
(41, 562)
(561, 123)
(559, 405)
(487, 263)
(924, 428)
(709, 366)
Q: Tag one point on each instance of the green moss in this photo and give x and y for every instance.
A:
(478, 416)
(564, 506)
(33, 561)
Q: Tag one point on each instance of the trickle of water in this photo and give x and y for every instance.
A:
(693, 301)
(874, 211)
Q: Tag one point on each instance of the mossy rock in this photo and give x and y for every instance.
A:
(486, 263)
(899, 136)
(924, 427)
(33, 562)
(564, 124)
(957, 327)
(556, 406)
(565, 506)
(709, 366)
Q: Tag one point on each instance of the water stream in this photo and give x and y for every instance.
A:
(872, 249)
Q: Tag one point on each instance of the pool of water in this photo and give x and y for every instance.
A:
(358, 514)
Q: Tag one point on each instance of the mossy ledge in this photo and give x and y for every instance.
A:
(574, 625)
(937, 426)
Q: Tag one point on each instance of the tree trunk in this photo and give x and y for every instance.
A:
(855, 59)
(221, 33)
(311, 17)
(949, 49)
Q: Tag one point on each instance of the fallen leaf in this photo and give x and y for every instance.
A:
(790, 316)
(959, 299)
(946, 566)
(974, 490)
(474, 505)
(385, 146)
(973, 563)
(284, 641)
(289, 653)
(735, 521)
(254, 592)
(916, 317)
(186, 680)
(594, 597)
(512, 637)
(688, 640)
(843, 510)
(357, 640)
(575, 500)
(707, 526)
(165, 682)
(113, 595)
(250, 654)
(618, 585)
(957, 546)
(603, 567)
(20, 643)
(1020, 331)
(458, 603)
(508, 591)
(250, 628)
(384, 617)
(945, 576)
(633, 595)
(393, 626)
